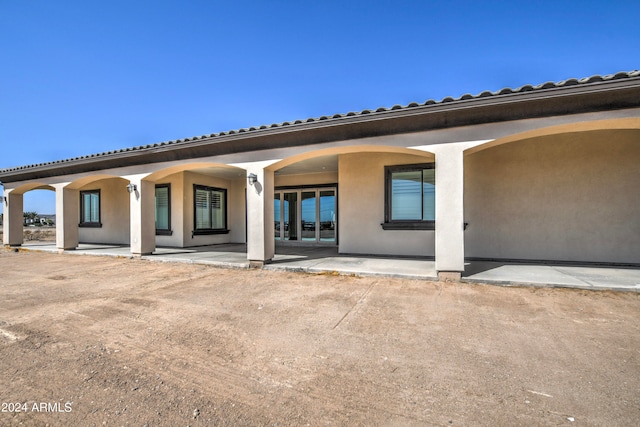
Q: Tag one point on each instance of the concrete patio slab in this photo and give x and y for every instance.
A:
(360, 266)
(580, 277)
(535, 274)
(327, 260)
(228, 256)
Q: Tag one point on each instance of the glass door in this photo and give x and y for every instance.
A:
(305, 215)
(285, 215)
(327, 216)
(309, 213)
(277, 212)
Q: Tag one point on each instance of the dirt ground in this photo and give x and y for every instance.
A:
(92, 341)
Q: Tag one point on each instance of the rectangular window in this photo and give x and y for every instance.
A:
(163, 210)
(90, 208)
(410, 197)
(209, 210)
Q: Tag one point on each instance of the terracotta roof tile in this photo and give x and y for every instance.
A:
(430, 102)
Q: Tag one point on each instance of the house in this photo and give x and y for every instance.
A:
(538, 173)
(47, 219)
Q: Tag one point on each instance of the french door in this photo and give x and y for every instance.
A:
(306, 215)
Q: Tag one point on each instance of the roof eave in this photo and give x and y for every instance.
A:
(600, 96)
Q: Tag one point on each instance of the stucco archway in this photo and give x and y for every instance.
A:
(354, 149)
(209, 168)
(572, 128)
(13, 212)
(358, 175)
(565, 193)
(21, 189)
(101, 211)
(178, 183)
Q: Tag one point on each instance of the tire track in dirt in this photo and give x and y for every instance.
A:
(196, 369)
(133, 343)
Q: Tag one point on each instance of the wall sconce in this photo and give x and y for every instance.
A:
(131, 188)
(253, 178)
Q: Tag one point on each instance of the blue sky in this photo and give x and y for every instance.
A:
(80, 77)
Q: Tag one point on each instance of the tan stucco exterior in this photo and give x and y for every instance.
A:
(178, 203)
(181, 185)
(319, 178)
(569, 197)
(361, 208)
(548, 173)
(190, 179)
(114, 213)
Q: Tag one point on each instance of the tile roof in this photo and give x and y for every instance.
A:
(466, 97)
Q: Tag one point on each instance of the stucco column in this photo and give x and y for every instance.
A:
(142, 216)
(13, 218)
(260, 231)
(449, 212)
(67, 217)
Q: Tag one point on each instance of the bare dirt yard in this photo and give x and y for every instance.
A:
(92, 341)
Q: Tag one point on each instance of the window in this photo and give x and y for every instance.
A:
(90, 208)
(209, 210)
(410, 202)
(163, 210)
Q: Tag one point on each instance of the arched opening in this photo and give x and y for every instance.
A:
(32, 211)
(99, 205)
(199, 204)
(342, 196)
(567, 193)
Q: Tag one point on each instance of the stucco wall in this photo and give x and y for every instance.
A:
(306, 179)
(361, 208)
(114, 213)
(237, 217)
(573, 197)
(177, 208)
(235, 209)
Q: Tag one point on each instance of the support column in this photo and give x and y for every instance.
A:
(67, 217)
(142, 215)
(260, 231)
(449, 212)
(13, 218)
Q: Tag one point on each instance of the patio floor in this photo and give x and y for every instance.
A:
(327, 259)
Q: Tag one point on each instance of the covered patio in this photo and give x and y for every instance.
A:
(542, 179)
(327, 260)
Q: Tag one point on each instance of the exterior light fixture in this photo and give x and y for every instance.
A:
(253, 178)
(131, 188)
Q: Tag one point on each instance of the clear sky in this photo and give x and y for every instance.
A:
(83, 77)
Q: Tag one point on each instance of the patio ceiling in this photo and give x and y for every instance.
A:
(314, 165)
(221, 172)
